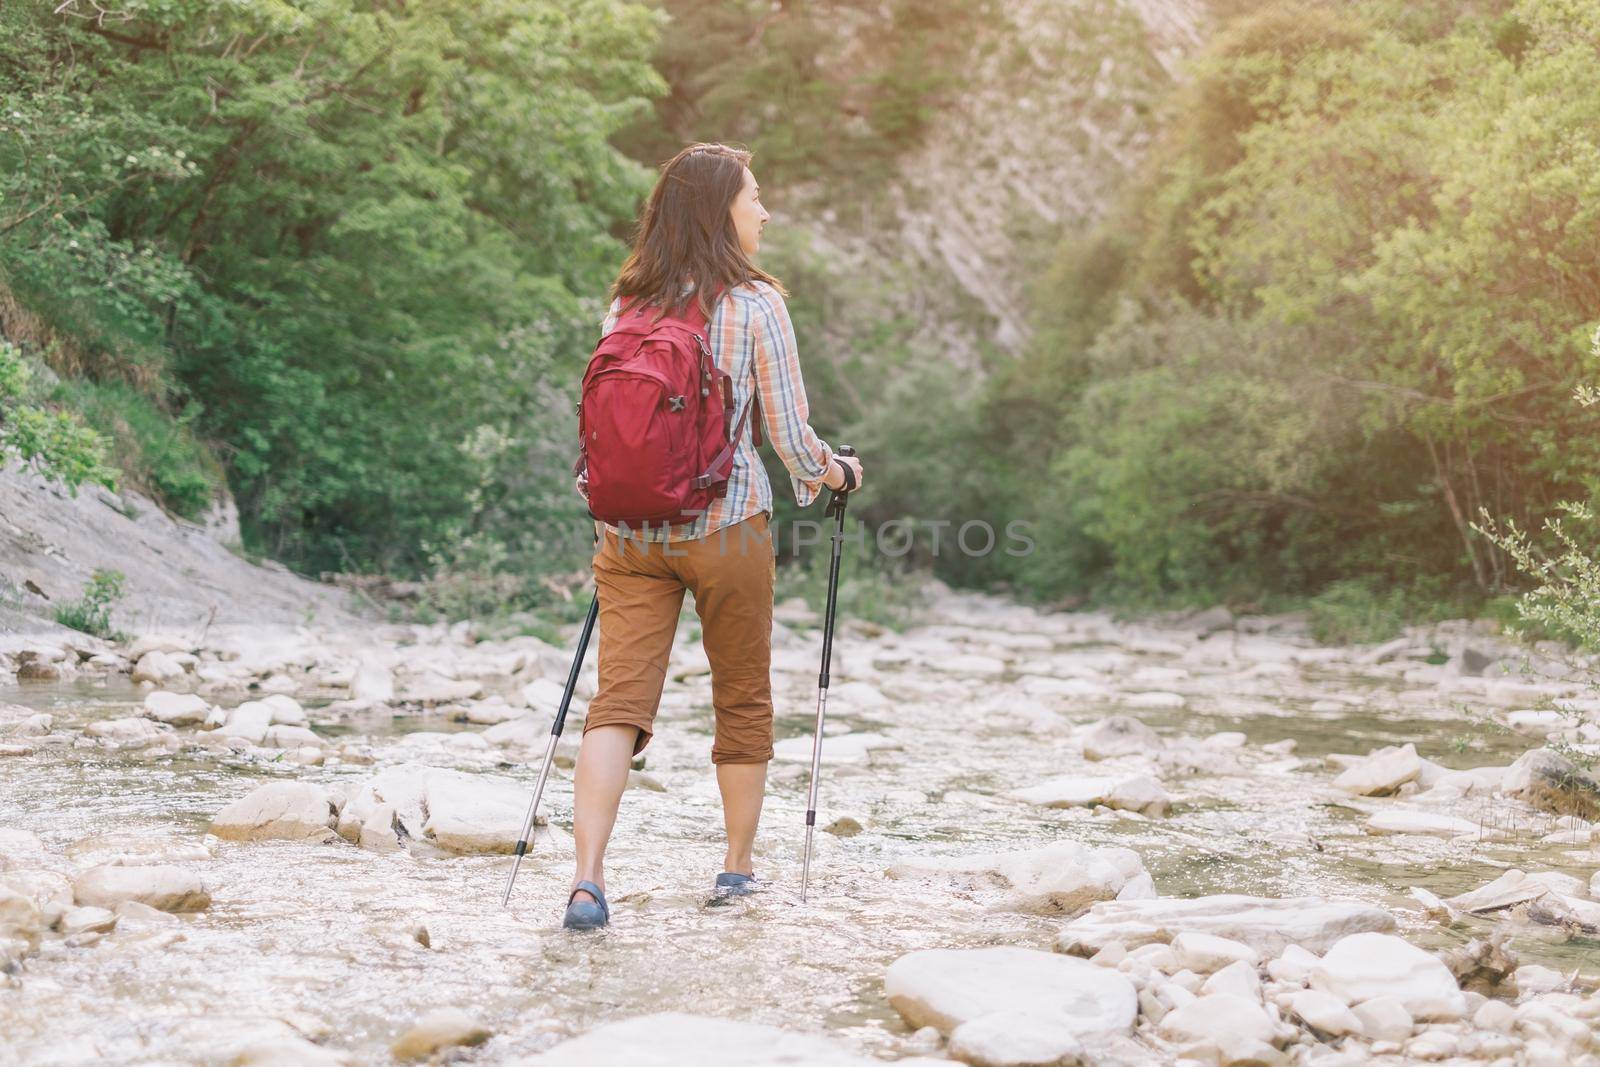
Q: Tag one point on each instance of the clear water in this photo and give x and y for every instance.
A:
(319, 936)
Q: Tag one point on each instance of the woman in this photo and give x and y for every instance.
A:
(699, 230)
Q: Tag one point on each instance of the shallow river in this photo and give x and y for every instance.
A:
(321, 936)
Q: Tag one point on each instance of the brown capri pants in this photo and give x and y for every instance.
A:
(641, 586)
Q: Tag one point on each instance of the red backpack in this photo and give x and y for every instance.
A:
(656, 432)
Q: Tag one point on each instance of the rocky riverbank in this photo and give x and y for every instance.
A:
(1052, 838)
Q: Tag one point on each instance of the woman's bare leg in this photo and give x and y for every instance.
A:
(744, 786)
(597, 786)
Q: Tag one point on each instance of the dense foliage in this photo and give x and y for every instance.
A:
(345, 246)
(1344, 309)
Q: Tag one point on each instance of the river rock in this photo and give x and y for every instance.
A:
(1154, 699)
(453, 810)
(1384, 1019)
(248, 722)
(432, 688)
(1367, 965)
(1427, 823)
(1267, 924)
(672, 1039)
(491, 712)
(290, 811)
(1234, 1026)
(1552, 782)
(372, 683)
(157, 668)
(439, 1029)
(127, 733)
(292, 737)
(1515, 887)
(20, 917)
(1059, 879)
(949, 987)
(87, 920)
(836, 748)
(286, 710)
(176, 709)
(166, 888)
(1325, 1012)
(1004, 1040)
(1135, 793)
(1382, 772)
(1239, 978)
(1119, 735)
(289, 1051)
(1205, 953)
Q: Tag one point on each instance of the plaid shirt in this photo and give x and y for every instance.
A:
(753, 340)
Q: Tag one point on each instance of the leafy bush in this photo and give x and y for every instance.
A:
(92, 613)
(55, 442)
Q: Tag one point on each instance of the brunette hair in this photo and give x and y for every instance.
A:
(685, 233)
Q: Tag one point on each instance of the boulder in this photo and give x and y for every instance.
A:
(291, 737)
(455, 811)
(248, 722)
(1119, 735)
(672, 1039)
(157, 668)
(1367, 965)
(1005, 1040)
(1382, 772)
(290, 811)
(286, 710)
(947, 988)
(836, 748)
(1220, 1020)
(1384, 1019)
(1325, 1013)
(162, 887)
(440, 1028)
(1267, 924)
(1134, 793)
(1059, 879)
(127, 733)
(176, 709)
(1552, 782)
(1426, 823)
(1205, 953)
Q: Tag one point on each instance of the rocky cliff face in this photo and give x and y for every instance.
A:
(1059, 109)
(180, 576)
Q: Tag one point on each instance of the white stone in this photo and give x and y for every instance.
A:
(836, 748)
(1206, 953)
(88, 920)
(157, 668)
(291, 737)
(1532, 978)
(162, 887)
(1384, 1019)
(949, 987)
(248, 721)
(130, 732)
(1266, 924)
(1219, 1019)
(1119, 735)
(1293, 966)
(1325, 1012)
(1009, 1040)
(1059, 879)
(1381, 772)
(1155, 699)
(1427, 823)
(1134, 793)
(1368, 965)
(1495, 1015)
(290, 811)
(440, 1028)
(967, 663)
(671, 1039)
(1239, 978)
(286, 710)
(176, 709)
(372, 683)
(452, 810)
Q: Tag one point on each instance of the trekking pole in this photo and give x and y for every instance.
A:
(550, 750)
(835, 508)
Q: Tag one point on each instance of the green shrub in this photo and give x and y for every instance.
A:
(159, 453)
(91, 614)
(56, 443)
